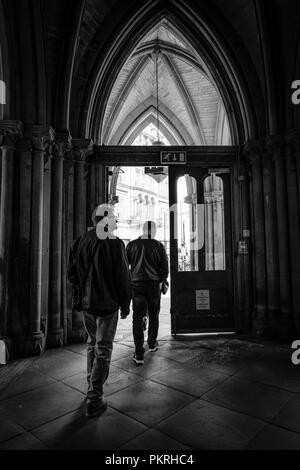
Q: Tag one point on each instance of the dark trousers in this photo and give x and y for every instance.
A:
(145, 301)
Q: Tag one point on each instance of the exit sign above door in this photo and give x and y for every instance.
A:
(173, 157)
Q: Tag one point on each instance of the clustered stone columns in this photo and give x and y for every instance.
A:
(40, 140)
(10, 131)
(81, 149)
(254, 152)
(276, 146)
(61, 146)
(275, 201)
(292, 141)
(271, 237)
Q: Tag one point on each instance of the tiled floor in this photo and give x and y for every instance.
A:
(193, 393)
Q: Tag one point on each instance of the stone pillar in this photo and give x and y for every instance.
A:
(292, 154)
(81, 148)
(55, 330)
(271, 237)
(9, 132)
(40, 140)
(245, 197)
(254, 151)
(275, 144)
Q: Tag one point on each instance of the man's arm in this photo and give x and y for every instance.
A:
(122, 277)
(164, 264)
(128, 252)
(72, 272)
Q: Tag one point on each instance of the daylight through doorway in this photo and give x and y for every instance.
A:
(140, 194)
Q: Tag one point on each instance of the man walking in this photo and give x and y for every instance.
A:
(99, 272)
(149, 268)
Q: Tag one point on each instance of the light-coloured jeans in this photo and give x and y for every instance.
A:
(101, 333)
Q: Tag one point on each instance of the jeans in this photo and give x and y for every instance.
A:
(145, 300)
(101, 333)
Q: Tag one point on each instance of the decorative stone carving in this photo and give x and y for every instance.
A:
(253, 150)
(41, 139)
(62, 144)
(275, 147)
(82, 148)
(292, 138)
(10, 132)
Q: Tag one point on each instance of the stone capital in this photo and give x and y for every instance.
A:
(10, 133)
(274, 143)
(82, 148)
(275, 147)
(62, 144)
(292, 138)
(253, 150)
(41, 138)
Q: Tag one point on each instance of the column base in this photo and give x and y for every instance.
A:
(286, 328)
(76, 331)
(260, 327)
(77, 335)
(5, 349)
(35, 344)
(55, 338)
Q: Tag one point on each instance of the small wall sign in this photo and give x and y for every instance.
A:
(173, 158)
(202, 299)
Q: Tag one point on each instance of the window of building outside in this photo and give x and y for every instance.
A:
(141, 197)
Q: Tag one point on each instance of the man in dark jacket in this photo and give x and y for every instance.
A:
(149, 268)
(98, 270)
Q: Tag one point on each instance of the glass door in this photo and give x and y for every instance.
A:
(200, 250)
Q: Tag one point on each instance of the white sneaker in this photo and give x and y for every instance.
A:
(138, 359)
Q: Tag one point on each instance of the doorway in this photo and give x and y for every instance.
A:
(202, 228)
(139, 194)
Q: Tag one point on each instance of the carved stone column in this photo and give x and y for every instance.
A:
(82, 148)
(275, 144)
(9, 132)
(254, 152)
(40, 140)
(292, 153)
(55, 330)
(271, 237)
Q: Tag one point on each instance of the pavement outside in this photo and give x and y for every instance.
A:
(195, 392)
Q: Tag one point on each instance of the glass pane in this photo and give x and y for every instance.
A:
(187, 224)
(214, 224)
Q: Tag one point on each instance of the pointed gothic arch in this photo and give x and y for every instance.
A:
(242, 100)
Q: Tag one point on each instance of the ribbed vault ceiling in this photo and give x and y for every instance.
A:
(190, 107)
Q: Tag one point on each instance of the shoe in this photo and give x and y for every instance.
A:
(138, 359)
(154, 348)
(95, 407)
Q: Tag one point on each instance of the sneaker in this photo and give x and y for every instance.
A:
(154, 348)
(95, 407)
(138, 359)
